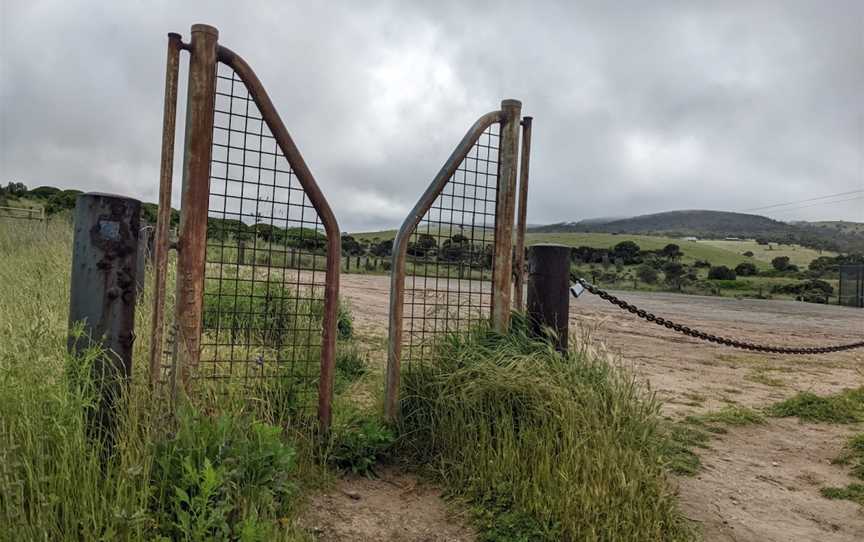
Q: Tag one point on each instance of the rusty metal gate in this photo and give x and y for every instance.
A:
(258, 245)
(453, 256)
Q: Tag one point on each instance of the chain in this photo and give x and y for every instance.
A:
(695, 333)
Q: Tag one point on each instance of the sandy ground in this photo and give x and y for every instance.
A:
(759, 482)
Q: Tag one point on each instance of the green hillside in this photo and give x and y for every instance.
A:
(716, 252)
(845, 237)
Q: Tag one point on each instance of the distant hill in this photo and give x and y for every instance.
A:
(842, 226)
(720, 224)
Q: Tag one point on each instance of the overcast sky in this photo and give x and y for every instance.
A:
(639, 106)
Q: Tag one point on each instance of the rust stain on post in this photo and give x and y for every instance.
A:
(192, 244)
(163, 221)
(519, 252)
(504, 211)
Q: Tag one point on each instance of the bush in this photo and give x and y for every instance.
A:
(781, 263)
(647, 274)
(562, 447)
(721, 272)
(748, 254)
(746, 269)
(701, 264)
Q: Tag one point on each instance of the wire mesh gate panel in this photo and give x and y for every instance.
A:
(259, 252)
(451, 253)
(452, 256)
(852, 285)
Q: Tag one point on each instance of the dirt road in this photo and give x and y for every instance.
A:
(759, 482)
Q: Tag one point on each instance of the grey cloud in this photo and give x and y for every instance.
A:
(639, 107)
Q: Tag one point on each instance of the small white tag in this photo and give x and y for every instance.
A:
(577, 289)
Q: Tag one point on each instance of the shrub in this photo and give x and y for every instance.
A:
(781, 263)
(746, 269)
(647, 274)
(701, 264)
(748, 254)
(721, 272)
(565, 446)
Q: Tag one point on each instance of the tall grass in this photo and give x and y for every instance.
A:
(556, 447)
(184, 477)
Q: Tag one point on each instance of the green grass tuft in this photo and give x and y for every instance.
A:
(844, 407)
(560, 447)
(852, 492)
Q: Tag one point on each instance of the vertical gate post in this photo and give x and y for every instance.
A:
(508, 154)
(548, 291)
(104, 265)
(195, 196)
(521, 226)
(163, 220)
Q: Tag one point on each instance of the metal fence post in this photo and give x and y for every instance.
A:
(163, 219)
(548, 291)
(195, 196)
(502, 285)
(521, 226)
(102, 300)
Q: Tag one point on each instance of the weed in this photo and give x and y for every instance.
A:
(844, 407)
(359, 442)
(351, 364)
(344, 321)
(852, 492)
(761, 376)
(678, 450)
(696, 432)
(208, 474)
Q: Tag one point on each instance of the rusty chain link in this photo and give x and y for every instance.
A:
(695, 333)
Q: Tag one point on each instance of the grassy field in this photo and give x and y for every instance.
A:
(238, 466)
(798, 255)
(718, 252)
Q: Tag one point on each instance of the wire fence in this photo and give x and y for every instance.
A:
(265, 255)
(450, 254)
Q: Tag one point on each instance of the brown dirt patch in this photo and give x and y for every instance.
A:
(396, 507)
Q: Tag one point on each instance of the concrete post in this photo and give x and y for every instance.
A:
(548, 291)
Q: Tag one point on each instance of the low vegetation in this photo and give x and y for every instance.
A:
(554, 447)
(843, 407)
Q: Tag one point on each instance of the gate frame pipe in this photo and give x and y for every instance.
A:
(505, 208)
(195, 197)
(522, 216)
(163, 220)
